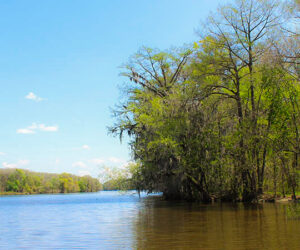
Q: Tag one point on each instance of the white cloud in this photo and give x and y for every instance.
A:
(37, 127)
(86, 147)
(97, 161)
(25, 131)
(43, 127)
(23, 162)
(33, 126)
(79, 164)
(20, 163)
(116, 160)
(2, 153)
(83, 172)
(57, 161)
(9, 165)
(34, 97)
(109, 161)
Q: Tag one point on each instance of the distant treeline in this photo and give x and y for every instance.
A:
(118, 184)
(27, 182)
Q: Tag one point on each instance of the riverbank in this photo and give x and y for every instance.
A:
(268, 198)
(14, 193)
(24, 193)
(280, 199)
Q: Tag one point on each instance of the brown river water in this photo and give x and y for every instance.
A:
(166, 225)
(114, 220)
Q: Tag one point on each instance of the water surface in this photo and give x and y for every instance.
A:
(114, 220)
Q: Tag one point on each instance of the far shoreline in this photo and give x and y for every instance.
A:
(286, 199)
(25, 194)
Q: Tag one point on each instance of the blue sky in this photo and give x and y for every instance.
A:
(59, 74)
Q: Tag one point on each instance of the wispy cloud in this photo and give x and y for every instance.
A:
(86, 147)
(110, 160)
(43, 127)
(2, 153)
(96, 166)
(20, 163)
(116, 160)
(37, 127)
(9, 165)
(23, 162)
(25, 131)
(79, 164)
(97, 161)
(34, 97)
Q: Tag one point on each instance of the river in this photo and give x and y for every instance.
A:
(116, 220)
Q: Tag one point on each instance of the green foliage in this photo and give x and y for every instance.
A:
(220, 120)
(16, 181)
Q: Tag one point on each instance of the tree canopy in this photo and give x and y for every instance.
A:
(220, 118)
